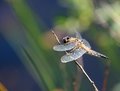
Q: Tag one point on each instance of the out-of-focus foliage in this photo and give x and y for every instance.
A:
(109, 16)
(34, 46)
(80, 14)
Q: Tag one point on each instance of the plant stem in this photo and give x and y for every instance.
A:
(106, 74)
(80, 66)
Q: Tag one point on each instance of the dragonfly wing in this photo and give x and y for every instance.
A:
(86, 43)
(64, 47)
(77, 53)
(78, 35)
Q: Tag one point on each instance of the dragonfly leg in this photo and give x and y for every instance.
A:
(67, 53)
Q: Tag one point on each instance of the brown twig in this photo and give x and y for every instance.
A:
(106, 74)
(80, 66)
(78, 76)
(60, 43)
(56, 37)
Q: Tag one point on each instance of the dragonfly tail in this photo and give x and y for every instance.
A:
(103, 56)
(97, 54)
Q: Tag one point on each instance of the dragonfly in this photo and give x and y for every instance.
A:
(76, 47)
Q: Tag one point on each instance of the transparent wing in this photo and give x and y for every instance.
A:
(80, 37)
(86, 43)
(77, 34)
(77, 53)
(64, 47)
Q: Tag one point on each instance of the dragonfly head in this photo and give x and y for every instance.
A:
(66, 39)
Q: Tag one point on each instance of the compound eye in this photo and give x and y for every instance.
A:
(64, 41)
(68, 38)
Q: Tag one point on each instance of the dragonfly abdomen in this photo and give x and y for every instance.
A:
(97, 54)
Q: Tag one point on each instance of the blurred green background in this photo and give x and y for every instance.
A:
(27, 60)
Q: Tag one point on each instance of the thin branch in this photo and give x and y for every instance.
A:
(56, 37)
(66, 83)
(78, 77)
(80, 66)
(106, 74)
